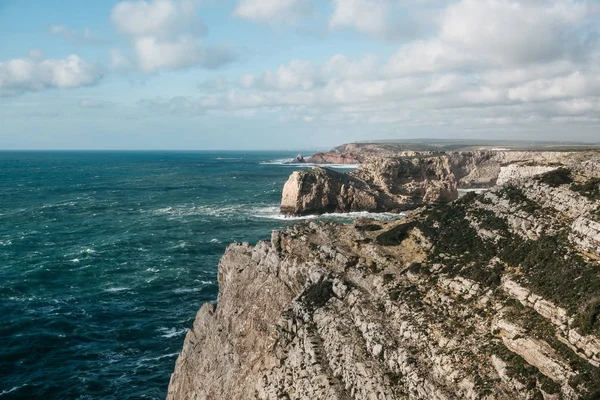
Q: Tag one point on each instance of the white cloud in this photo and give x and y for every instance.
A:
(490, 66)
(271, 11)
(509, 32)
(164, 34)
(32, 74)
(368, 16)
(86, 37)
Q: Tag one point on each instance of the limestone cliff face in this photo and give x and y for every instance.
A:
(378, 185)
(471, 168)
(335, 158)
(493, 296)
(413, 179)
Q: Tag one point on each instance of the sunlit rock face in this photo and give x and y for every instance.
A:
(492, 296)
(378, 185)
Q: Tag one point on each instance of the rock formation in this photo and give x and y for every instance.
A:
(379, 185)
(412, 179)
(335, 158)
(493, 296)
(472, 168)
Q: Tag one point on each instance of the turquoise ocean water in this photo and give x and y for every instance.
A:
(105, 257)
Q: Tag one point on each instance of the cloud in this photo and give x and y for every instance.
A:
(159, 18)
(271, 11)
(87, 37)
(489, 66)
(164, 34)
(509, 32)
(22, 75)
(383, 19)
(368, 16)
(476, 34)
(154, 54)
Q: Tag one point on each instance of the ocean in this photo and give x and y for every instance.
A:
(105, 258)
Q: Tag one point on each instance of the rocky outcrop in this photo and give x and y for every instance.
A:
(472, 168)
(379, 185)
(335, 158)
(299, 159)
(493, 296)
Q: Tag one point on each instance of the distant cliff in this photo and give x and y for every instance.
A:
(493, 296)
(413, 179)
(378, 185)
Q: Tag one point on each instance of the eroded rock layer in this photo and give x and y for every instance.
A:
(494, 296)
(379, 185)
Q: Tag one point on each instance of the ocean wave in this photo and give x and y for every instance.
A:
(186, 290)
(14, 389)
(273, 213)
(169, 333)
(213, 211)
(116, 289)
(287, 163)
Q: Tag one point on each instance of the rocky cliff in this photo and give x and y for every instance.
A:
(412, 179)
(493, 296)
(378, 185)
(473, 168)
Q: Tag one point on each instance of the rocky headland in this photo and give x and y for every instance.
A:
(492, 296)
(404, 180)
(378, 185)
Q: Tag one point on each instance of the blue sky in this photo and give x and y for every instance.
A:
(288, 74)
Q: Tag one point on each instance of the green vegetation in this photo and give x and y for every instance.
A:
(317, 295)
(560, 176)
(489, 221)
(518, 367)
(588, 319)
(548, 266)
(515, 196)
(552, 271)
(368, 227)
(394, 236)
(589, 189)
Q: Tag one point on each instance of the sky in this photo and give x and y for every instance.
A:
(295, 74)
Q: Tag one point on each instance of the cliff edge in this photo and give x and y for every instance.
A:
(493, 296)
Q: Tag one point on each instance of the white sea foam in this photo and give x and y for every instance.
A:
(14, 389)
(287, 163)
(215, 241)
(169, 333)
(116, 289)
(264, 212)
(75, 260)
(273, 213)
(186, 290)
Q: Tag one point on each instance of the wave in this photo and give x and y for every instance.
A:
(186, 290)
(14, 389)
(169, 333)
(265, 212)
(116, 289)
(273, 213)
(287, 163)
